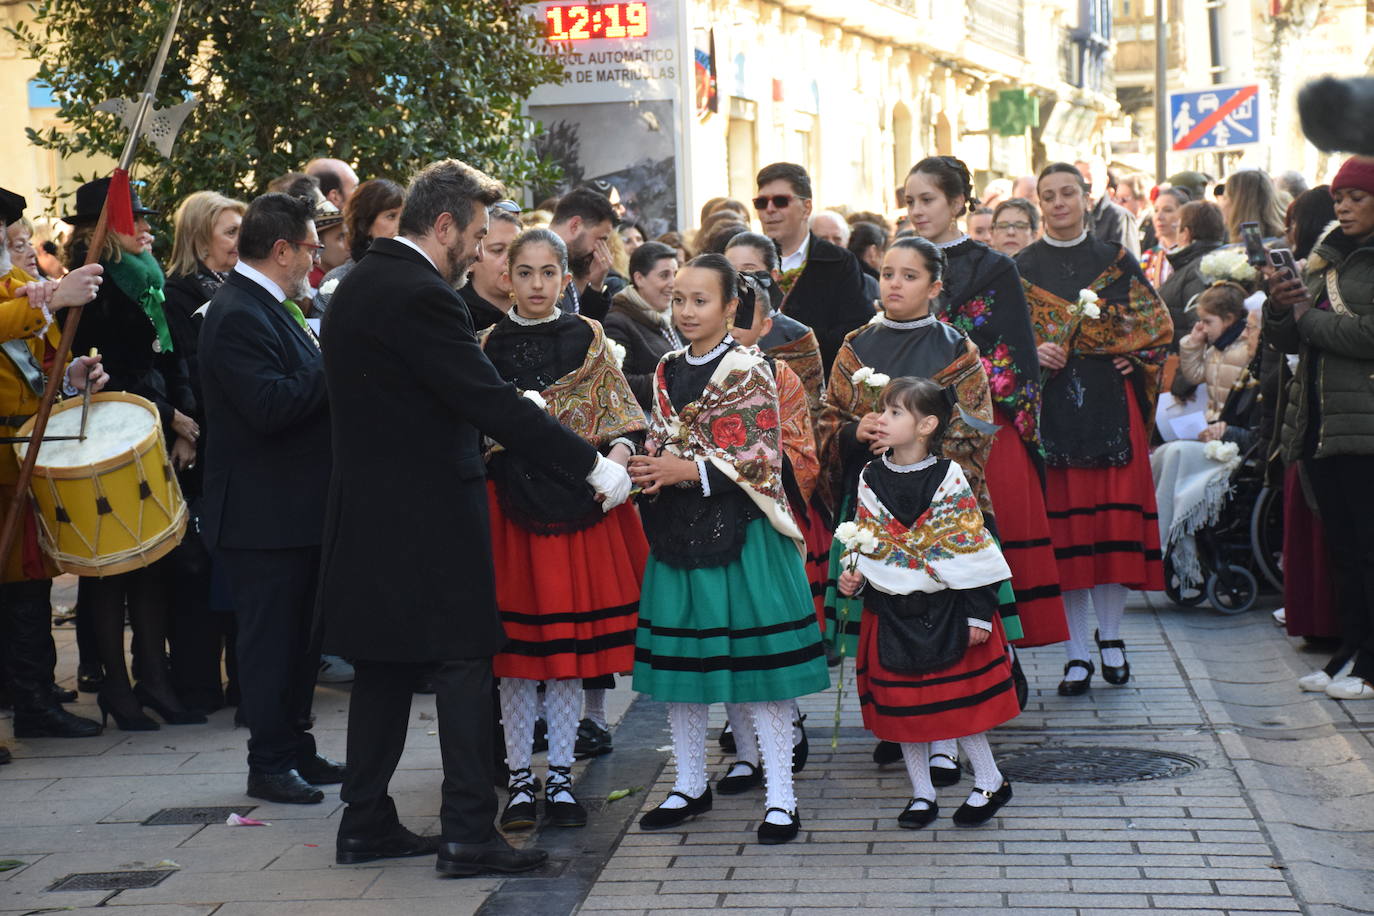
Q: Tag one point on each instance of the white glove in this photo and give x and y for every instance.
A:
(610, 480)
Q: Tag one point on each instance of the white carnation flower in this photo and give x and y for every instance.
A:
(537, 398)
(1091, 310)
(846, 532)
(328, 286)
(861, 375)
(878, 380)
(617, 353)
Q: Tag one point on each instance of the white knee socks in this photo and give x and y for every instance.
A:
(1078, 608)
(562, 703)
(746, 741)
(687, 722)
(949, 748)
(917, 757)
(986, 775)
(1109, 601)
(595, 708)
(518, 701)
(773, 728)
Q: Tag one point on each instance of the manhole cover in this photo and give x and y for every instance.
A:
(1095, 764)
(203, 815)
(111, 880)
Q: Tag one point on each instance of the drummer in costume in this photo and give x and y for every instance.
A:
(1103, 335)
(788, 342)
(933, 658)
(800, 469)
(567, 574)
(30, 341)
(725, 614)
(128, 324)
(982, 296)
(906, 339)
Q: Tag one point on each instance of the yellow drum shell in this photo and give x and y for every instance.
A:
(114, 515)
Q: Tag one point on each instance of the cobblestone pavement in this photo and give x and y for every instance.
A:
(1279, 817)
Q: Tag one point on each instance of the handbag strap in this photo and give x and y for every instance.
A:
(1333, 292)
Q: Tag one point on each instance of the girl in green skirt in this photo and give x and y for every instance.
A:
(725, 612)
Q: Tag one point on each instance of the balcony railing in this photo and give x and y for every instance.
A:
(998, 24)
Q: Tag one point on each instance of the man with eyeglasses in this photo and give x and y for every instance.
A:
(267, 466)
(822, 282)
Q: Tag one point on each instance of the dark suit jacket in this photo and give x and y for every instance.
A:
(829, 297)
(267, 423)
(406, 571)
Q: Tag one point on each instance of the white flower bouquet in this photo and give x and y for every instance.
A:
(1227, 264)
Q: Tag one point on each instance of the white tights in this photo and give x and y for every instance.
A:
(1109, 603)
(976, 750)
(519, 708)
(761, 730)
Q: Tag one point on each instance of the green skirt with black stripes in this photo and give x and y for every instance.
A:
(745, 632)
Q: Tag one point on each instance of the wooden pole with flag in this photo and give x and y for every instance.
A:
(116, 214)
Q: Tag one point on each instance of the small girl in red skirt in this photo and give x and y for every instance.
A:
(932, 660)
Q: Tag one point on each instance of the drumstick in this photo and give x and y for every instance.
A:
(86, 398)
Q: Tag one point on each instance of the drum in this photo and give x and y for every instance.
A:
(109, 503)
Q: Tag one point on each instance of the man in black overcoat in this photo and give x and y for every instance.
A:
(406, 579)
(267, 422)
(823, 282)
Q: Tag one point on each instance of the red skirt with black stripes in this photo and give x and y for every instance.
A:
(1105, 522)
(818, 536)
(569, 602)
(1018, 503)
(967, 698)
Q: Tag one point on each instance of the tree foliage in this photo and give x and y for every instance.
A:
(388, 85)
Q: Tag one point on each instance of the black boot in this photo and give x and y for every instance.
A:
(30, 657)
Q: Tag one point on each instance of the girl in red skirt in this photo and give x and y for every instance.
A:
(932, 661)
(567, 573)
(1102, 335)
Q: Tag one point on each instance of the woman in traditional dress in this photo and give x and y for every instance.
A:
(907, 339)
(725, 615)
(933, 661)
(982, 297)
(567, 574)
(1103, 336)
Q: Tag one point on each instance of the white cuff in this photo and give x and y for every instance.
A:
(68, 389)
(980, 624)
(628, 443)
(705, 480)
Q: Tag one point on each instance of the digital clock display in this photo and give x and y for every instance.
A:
(586, 21)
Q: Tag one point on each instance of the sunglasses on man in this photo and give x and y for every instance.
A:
(509, 206)
(779, 201)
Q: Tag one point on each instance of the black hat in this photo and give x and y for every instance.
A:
(11, 206)
(90, 197)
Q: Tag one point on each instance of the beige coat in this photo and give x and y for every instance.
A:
(1219, 369)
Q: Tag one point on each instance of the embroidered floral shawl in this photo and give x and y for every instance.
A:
(798, 435)
(803, 357)
(594, 400)
(946, 547)
(735, 425)
(1135, 323)
(846, 402)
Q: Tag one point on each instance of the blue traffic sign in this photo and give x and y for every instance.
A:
(1215, 118)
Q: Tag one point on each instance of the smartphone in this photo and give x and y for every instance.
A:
(1282, 258)
(1254, 244)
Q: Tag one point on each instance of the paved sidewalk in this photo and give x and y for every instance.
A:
(1280, 818)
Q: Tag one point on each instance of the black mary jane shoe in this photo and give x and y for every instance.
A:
(946, 776)
(1068, 688)
(592, 740)
(561, 809)
(741, 782)
(801, 751)
(520, 812)
(913, 818)
(727, 739)
(662, 818)
(969, 816)
(776, 834)
(887, 752)
(1113, 674)
(89, 678)
(63, 694)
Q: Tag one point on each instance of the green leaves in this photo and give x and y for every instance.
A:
(389, 85)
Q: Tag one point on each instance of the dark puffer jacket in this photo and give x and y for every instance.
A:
(1329, 407)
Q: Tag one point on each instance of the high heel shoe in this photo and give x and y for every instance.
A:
(1115, 675)
(169, 714)
(136, 722)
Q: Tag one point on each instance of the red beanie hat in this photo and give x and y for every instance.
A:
(1357, 172)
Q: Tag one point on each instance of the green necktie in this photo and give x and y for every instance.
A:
(296, 313)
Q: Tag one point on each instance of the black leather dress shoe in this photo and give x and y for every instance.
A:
(400, 843)
(771, 834)
(969, 816)
(459, 860)
(287, 788)
(1077, 688)
(53, 722)
(1114, 674)
(913, 818)
(320, 770)
(741, 782)
(662, 818)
